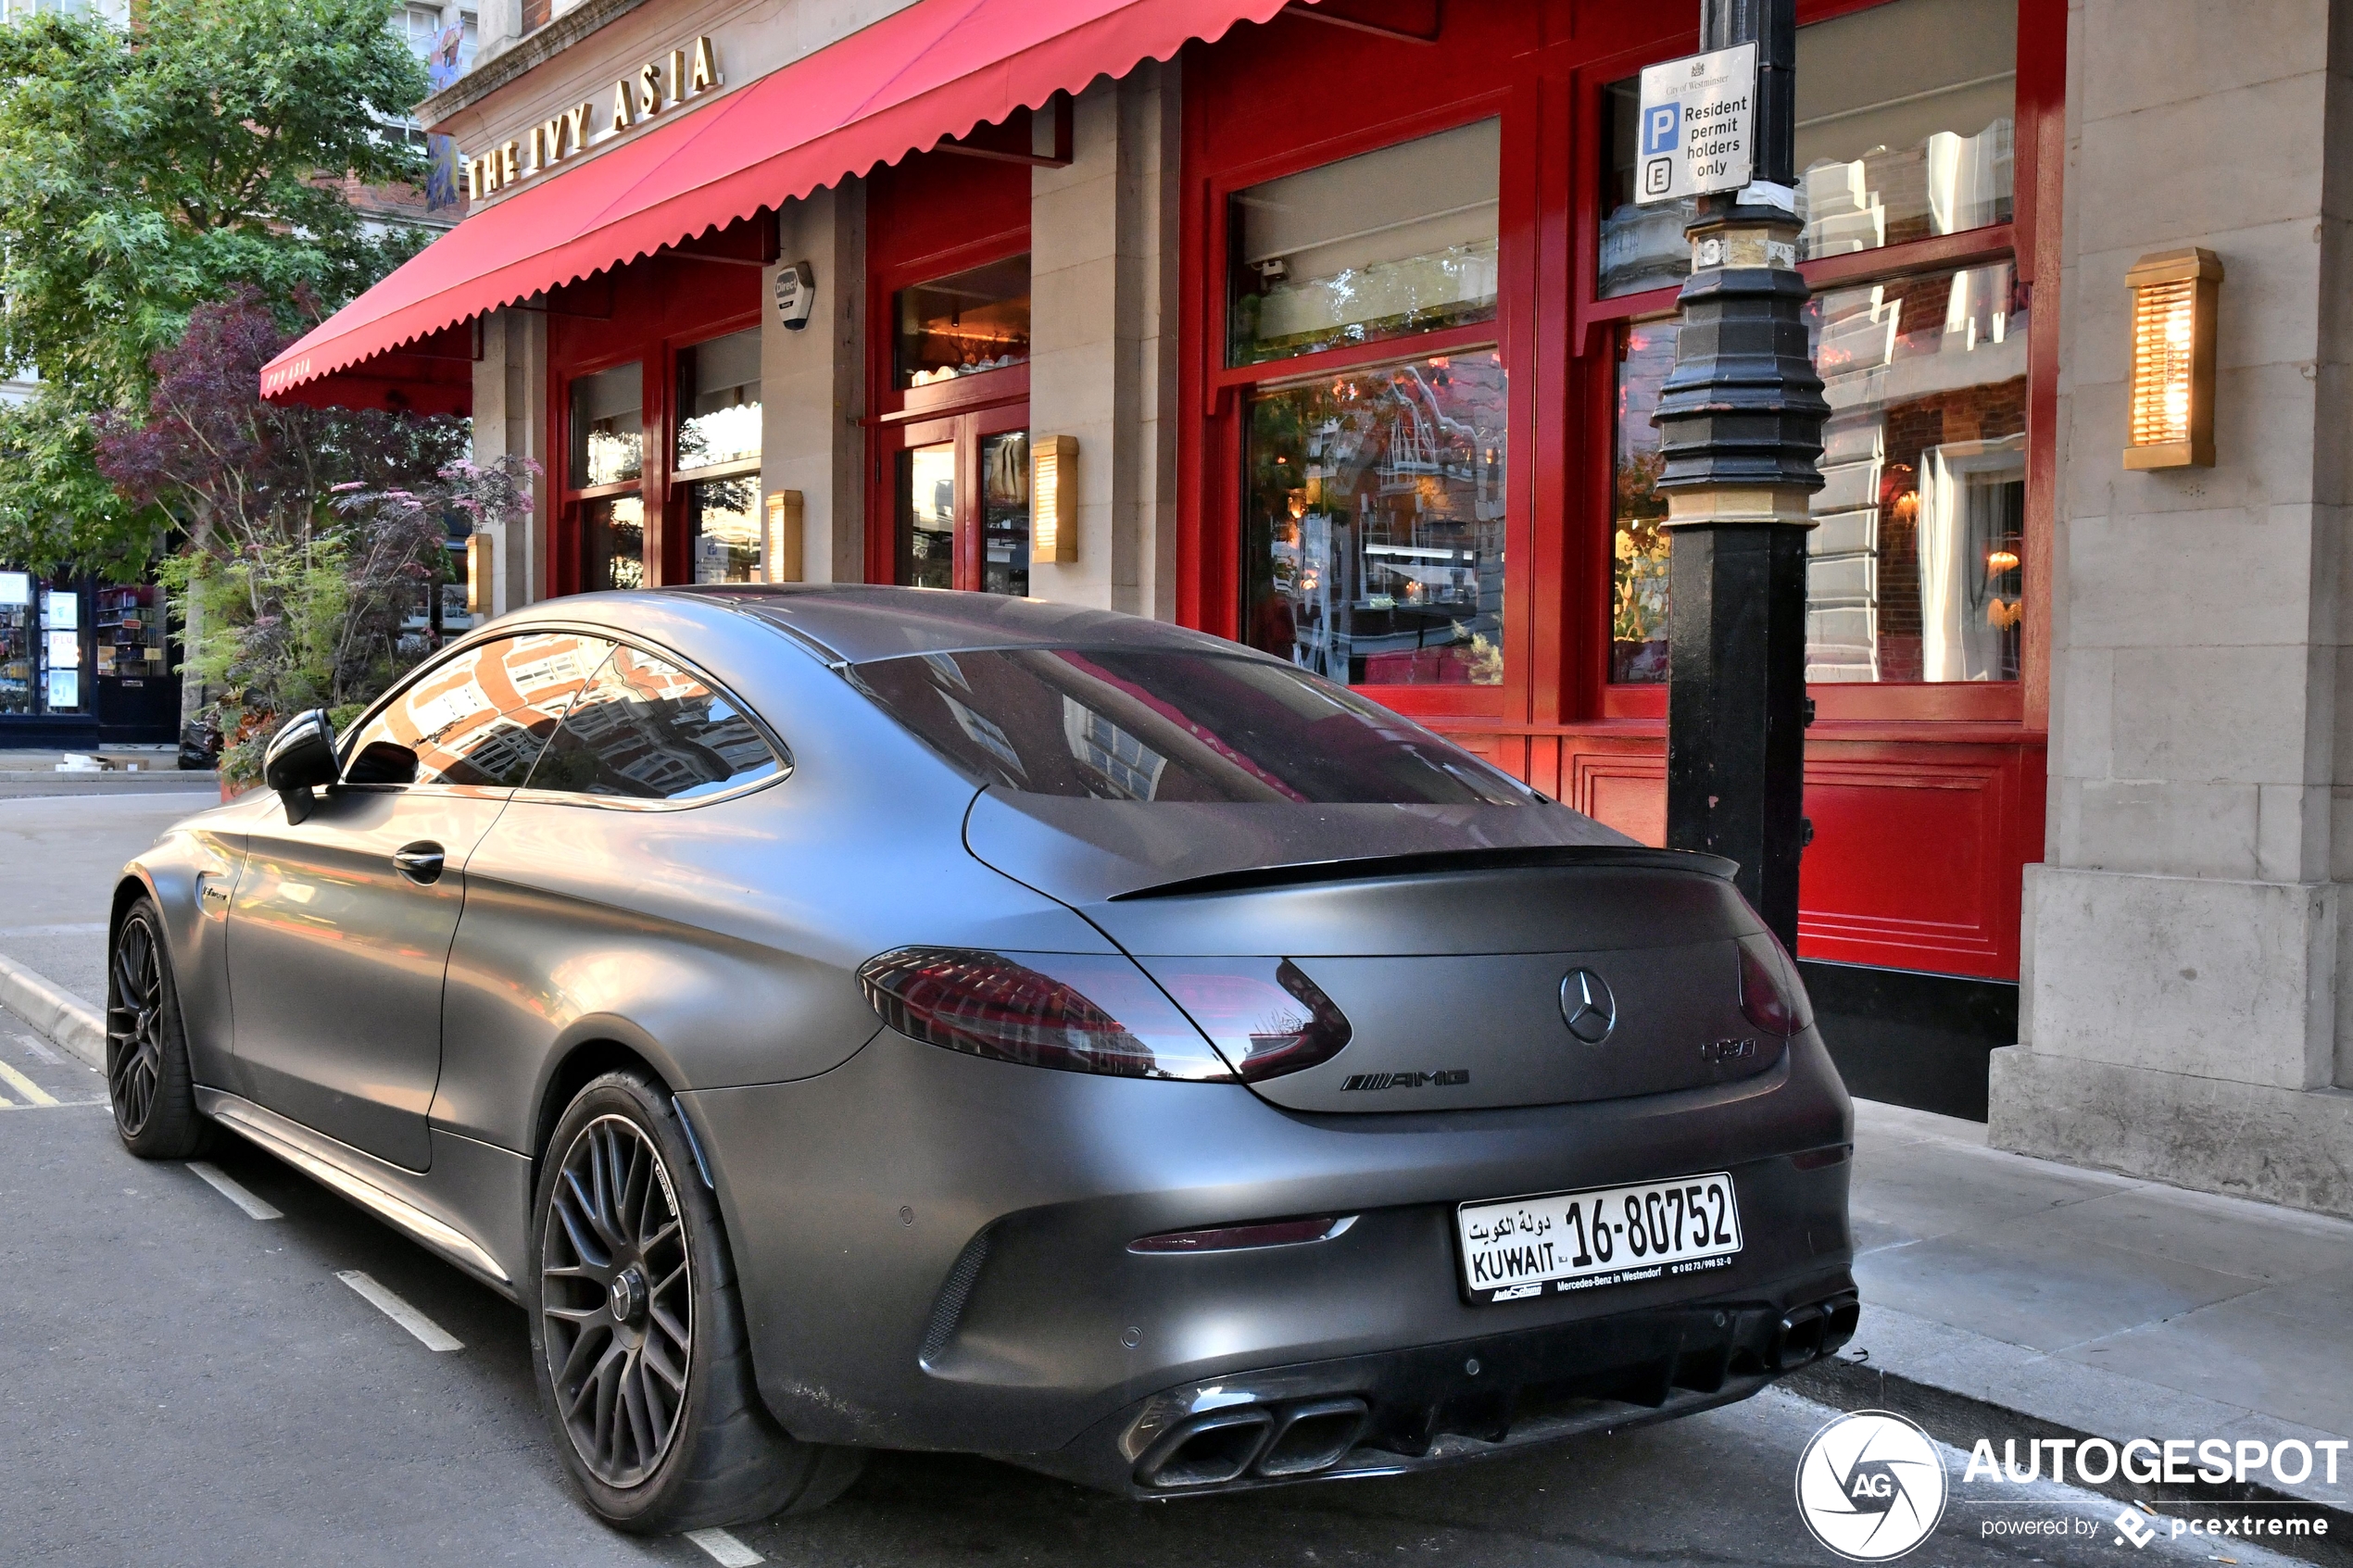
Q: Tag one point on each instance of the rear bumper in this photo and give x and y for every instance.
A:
(1440, 1404)
(932, 1248)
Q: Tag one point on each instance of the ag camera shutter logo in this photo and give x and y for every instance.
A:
(1871, 1485)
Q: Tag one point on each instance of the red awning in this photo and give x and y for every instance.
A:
(934, 70)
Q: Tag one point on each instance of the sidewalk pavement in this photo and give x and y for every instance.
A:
(138, 770)
(2003, 1296)
(2069, 1302)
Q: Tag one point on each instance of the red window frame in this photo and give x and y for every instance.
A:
(648, 312)
(2028, 241)
(1225, 390)
(917, 213)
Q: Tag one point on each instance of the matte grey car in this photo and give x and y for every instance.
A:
(855, 1017)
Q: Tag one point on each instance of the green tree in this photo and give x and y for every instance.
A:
(145, 173)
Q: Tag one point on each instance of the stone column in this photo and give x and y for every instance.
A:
(812, 382)
(1103, 350)
(2184, 1011)
(510, 414)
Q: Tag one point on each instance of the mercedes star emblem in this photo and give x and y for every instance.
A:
(1586, 1004)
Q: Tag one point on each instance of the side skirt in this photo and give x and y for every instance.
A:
(366, 1181)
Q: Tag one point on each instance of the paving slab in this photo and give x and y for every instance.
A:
(2092, 1303)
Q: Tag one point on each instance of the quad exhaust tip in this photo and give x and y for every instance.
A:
(1811, 1332)
(1271, 1441)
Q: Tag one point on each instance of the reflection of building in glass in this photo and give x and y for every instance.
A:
(1123, 766)
(1379, 496)
(483, 717)
(1912, 570)
(657, 732)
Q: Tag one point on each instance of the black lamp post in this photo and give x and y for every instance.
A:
(1739, 422)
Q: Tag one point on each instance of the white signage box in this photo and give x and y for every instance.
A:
(1697, 134)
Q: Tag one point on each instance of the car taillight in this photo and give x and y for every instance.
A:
(1079, 1012)
(1771, 995)
(1263, 1015)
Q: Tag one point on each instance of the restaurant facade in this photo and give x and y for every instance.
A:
(1335, 329)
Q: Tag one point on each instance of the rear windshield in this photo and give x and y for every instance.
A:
(1125, 725)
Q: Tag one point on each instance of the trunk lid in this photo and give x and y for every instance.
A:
(1446, 935)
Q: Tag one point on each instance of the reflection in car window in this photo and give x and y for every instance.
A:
(647, 730)
(1118, 724)
(482, 716)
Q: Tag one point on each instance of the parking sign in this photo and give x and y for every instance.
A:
(1698, 125)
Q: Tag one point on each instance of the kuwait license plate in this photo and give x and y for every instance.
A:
(1523, 1248)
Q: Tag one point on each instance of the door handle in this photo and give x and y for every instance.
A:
(420, 862)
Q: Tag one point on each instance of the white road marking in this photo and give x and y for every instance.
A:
(431, 1335)
(39, 1050)
(724, 1549)
(77, 928)
(34, 1093)
(233, 1190)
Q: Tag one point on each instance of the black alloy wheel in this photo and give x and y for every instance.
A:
(639, 1346)
(618, 1300)
(148, 1080)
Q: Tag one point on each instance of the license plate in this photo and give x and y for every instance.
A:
(1523, 1248)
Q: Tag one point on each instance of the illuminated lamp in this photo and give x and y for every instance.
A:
(1053, 499)
(479, 548)
(2169, 393)
(783, 534)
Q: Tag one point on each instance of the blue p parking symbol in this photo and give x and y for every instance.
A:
(1660, 124)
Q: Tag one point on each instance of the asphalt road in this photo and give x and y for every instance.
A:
(59, 857)
(187, 1385)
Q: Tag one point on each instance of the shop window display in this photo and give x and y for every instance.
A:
(1905, 131)
(1914, 562)
(962, 324)
(1384, 244)
(612, 532)
(1005, 514)
(1372, 522)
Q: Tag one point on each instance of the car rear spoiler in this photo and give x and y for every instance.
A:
(1436, 862)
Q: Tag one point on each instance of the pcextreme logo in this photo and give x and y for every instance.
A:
(1870, 1485)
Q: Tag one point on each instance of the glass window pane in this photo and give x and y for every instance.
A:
(1905, 116)
(1914, 564)
(928, 516)
(480, 718)
(1904, 125)
(961, 325)
(1638, 552)
(719, 401)
(647, 730)
(612, 539)
(1913, 571)
(1380, 245)
(722, 520)
(1116, 724)
(607, 426)
(1005, 514)
(1372, 522)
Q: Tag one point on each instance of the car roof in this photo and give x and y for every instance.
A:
(861, 622)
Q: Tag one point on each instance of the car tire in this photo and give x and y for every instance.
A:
(648, 1381)
(150, 1082)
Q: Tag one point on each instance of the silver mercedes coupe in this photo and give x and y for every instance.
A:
(846, 1018)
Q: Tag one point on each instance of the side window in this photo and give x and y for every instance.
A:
(647, 730)
(481, 718)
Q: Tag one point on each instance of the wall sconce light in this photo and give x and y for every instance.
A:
(783, 564)
(479, 555)
(1054, 498)
(2170, 403)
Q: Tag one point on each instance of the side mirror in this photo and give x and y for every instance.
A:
(301, 757)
